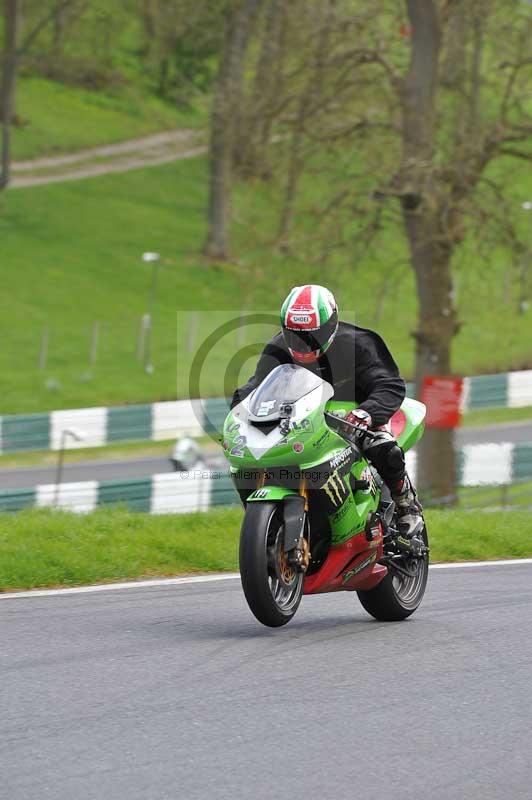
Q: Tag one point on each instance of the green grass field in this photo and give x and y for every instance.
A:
(71, 256)
(491, 416)
(55, 118)
(70, 253)
(46, 548)
(482, 497)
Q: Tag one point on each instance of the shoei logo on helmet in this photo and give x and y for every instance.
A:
(302, 318)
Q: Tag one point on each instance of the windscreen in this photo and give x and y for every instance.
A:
(285, 384)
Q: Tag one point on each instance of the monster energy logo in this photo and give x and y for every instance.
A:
(341, 457)
(335, 488)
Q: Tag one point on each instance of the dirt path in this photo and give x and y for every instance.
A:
(160, 148)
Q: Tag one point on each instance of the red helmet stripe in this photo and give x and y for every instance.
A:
(304, 298)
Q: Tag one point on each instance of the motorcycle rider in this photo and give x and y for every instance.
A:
(357, 363)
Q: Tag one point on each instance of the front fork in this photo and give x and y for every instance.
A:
(296, 546)
(295, 510)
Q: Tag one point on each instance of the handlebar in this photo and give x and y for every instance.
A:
(342, 423)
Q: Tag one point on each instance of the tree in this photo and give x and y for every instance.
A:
(181, 42)
(309, 98)
(259, 110)
(441, 168)
(240, 19)
(15, 47)
(12, 26)
(406, 110)
(431, 233)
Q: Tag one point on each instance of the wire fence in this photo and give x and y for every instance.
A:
(153, 354)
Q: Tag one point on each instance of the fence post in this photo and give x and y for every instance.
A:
(504, 495)
(43, 351)
(93, 354)
(141, 343)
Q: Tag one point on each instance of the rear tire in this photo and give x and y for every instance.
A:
(272, 588)
(397, 597)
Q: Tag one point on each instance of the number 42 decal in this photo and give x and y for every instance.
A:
(238, 447)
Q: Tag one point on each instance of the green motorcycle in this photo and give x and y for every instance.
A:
(318, 517)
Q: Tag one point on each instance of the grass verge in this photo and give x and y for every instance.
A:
(494, 416)
(49, 548)
(514, 494)
(72, 253)
(62, 119)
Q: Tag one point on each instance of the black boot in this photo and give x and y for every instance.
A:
(409, 516)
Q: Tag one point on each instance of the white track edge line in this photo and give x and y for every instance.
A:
(224, 576)
(506, 562)
(112, 587)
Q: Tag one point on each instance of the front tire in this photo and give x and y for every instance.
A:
(272, 587)
(398, 596)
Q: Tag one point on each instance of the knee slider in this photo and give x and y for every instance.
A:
(379, 451)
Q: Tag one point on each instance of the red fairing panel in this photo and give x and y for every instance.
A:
(349, 566)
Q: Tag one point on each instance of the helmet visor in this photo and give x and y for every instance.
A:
(308, 341)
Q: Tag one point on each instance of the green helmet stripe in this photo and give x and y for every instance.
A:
(325, 312)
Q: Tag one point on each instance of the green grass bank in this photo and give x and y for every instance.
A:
(71, 257)
(49, 548)
(54, 118)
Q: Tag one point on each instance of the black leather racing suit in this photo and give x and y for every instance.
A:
(361, 369)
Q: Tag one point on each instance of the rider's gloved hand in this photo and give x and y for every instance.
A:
(361, 419)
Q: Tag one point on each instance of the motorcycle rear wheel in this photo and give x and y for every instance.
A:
(398, 596)
(272, 587)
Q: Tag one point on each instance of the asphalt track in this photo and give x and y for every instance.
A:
(109, 470)
(105, 470)
(176, 692)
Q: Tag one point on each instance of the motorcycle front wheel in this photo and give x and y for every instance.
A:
(272, 586)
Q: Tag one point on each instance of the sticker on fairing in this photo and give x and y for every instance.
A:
(266, 407)
(336, 489)
(299, 428)
(363, 564)
(323, 438)
(238, 447)
(260, 494)
(341, 457)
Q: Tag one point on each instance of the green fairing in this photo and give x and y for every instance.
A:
(311, 443)
(269, 493)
